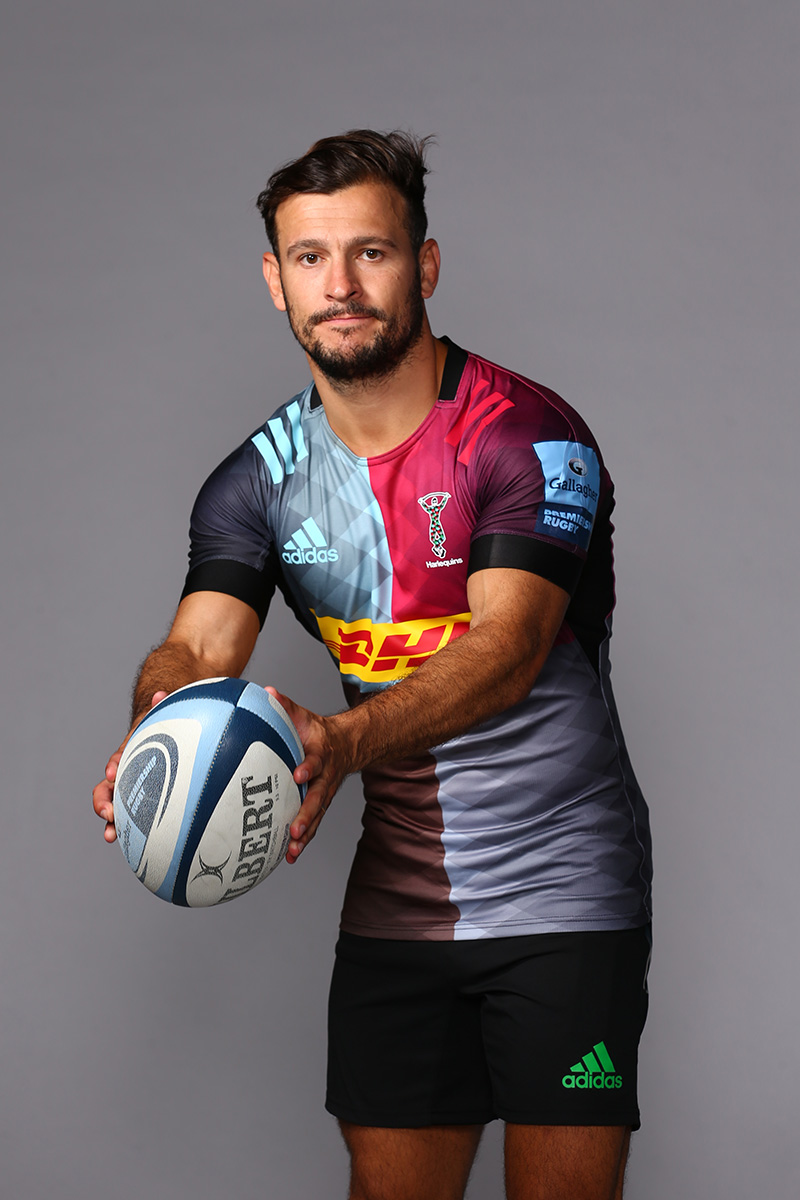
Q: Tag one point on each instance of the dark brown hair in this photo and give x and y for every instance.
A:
(334, 163)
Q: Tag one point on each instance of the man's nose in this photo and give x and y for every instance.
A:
(342, 280)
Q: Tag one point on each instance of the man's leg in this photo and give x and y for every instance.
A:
(565, 1162)
(432, 1163)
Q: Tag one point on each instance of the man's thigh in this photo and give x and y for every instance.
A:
(565, 1162)
(542, 1162)
(410, 1164)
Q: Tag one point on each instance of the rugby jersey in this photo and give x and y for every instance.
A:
(532, 821)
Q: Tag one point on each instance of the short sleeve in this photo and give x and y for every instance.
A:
(539, 484)
(231, 548)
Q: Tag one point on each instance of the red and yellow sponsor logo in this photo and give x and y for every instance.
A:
(383, 652)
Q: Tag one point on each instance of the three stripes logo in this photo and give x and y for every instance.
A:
(477, 415)
(307, 545)
(594, 1071)
(285, 446)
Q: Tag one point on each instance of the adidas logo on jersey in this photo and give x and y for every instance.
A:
(307, 545)
(595, 1071)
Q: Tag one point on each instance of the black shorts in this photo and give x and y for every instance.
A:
(538, 1030)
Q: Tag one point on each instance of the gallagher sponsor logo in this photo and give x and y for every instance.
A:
(559, 484)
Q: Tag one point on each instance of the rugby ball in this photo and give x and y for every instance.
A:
(204, 795)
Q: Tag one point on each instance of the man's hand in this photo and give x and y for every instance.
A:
(103, 794)
(324, 769)
(212, 634)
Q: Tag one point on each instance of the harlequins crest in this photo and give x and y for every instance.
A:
(433, 504)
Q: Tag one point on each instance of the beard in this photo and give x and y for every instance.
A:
(370, 361)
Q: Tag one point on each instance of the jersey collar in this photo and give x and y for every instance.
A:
(451, 376)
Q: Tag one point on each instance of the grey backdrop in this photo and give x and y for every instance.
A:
(615, 194)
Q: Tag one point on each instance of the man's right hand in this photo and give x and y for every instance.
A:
(103, 794)
(212, 634)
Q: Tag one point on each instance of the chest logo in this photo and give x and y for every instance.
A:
(433, 505)
(308, 545)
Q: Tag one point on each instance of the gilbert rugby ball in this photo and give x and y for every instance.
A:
(204, 795)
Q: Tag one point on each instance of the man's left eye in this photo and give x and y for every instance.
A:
(371, 254)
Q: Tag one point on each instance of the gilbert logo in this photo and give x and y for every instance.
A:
(594, 1072)
(433, 505)
(206, 870)
(307, 545)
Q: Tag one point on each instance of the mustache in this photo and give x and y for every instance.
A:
(351, 309)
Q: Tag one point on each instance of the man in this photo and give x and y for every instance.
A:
(443, 525)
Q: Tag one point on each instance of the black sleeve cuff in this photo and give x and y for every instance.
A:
(526, 554)
(236, 579)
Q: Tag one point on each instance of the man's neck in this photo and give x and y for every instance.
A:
(374, 416)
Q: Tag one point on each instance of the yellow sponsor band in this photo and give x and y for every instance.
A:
(383, 652)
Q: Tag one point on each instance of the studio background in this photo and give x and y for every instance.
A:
(615, 195)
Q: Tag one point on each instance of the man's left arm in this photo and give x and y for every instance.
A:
(515, 618)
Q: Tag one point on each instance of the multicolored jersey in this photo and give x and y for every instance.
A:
(533, 821)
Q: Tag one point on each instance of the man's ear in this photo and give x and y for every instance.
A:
(429, 263)
(272, 274)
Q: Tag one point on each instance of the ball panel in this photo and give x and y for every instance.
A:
(150, 850)
(256, 700)
(197, 729)
(244, 728)
(246, 835)
(221, 688)
(144, 786)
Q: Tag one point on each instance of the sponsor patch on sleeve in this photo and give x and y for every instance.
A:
(571, 491)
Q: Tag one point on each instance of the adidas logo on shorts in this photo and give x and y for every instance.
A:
(594, 1071)
(307, 545)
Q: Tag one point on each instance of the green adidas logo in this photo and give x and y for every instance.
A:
(595, 1070)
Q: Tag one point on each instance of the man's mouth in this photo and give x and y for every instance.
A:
(345, 316)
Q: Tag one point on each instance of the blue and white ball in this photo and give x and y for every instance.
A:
(204, 795)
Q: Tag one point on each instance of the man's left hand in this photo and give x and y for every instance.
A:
(324, 769)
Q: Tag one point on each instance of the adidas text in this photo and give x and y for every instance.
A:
(587, 1081)
(310, 556)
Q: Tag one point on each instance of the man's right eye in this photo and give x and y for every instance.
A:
(309, 258)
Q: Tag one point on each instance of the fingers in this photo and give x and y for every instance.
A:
(308, 820)
(310, 768)
(307, 723)
(284, 701)
(112, 765)
(103, 794)
(102, 799)
(321, 770)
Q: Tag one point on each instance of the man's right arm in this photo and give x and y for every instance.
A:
(212, 634)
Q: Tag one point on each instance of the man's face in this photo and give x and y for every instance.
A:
(349, 281)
